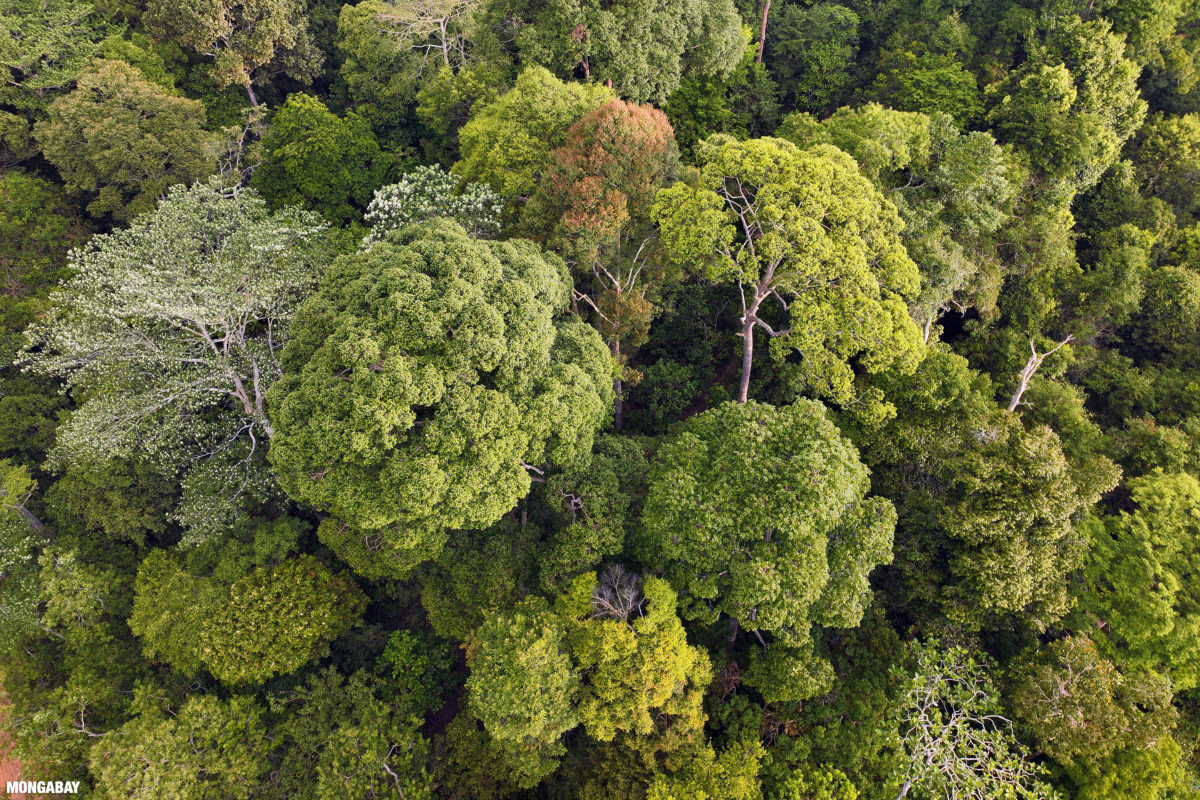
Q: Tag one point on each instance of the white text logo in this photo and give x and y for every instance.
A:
(41, 787)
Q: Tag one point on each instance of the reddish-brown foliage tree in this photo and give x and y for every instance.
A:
(595, 204)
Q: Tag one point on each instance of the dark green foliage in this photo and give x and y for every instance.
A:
(640, 49)
(338, 737)
(119, 499)
(315, 159)
(122, 140)
(811, 53)
(417, 669)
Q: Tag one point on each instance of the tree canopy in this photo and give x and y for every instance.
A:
(408, 369)
(623, 400)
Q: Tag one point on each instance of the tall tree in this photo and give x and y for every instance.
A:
(759, 514)
(1081, 707)
(987, 532)
(172, 330)
(811, 53)
(340, 736)
(1137, 591)
(595, 202)
(277, 619)
(37, 229)
(429, 192)
(439, 368)
(208, 747)
(314, 159)
(389, 51)
(44, 45)
(507, 142)
(641, 49)
(1072, 104)
(952, 190)
(125, 140)
(802, 228)
(21, 540)
(640, 679)
(523, 687)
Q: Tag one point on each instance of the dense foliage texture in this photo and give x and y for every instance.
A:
(623, 400)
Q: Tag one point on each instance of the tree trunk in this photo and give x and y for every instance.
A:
(618, 388)
(1031, 367)
(733, 629)
(747, 358)
(762, 31)
(905, 788)
(33, 521)
(251, 95)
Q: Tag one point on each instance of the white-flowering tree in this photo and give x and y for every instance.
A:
(957, 742)
(169, 332)
(429, 192)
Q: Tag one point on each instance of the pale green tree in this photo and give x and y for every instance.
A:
(429, 192)
(801, 228)
(523, 687)
(507, 142)
(207, 748)
(705, 774)
(957, 741)
(1137, 588)
(951, 189)
(640, 679)
(276, 619)
(44, 45)
(270, 621)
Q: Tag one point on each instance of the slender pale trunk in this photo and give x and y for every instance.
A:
(747, 358)
(33, 521)
(1031, 368)
(762, 31)
(618, 388)
(749, 320)
(250, 93)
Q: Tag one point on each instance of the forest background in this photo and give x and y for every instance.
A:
(676, 400)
